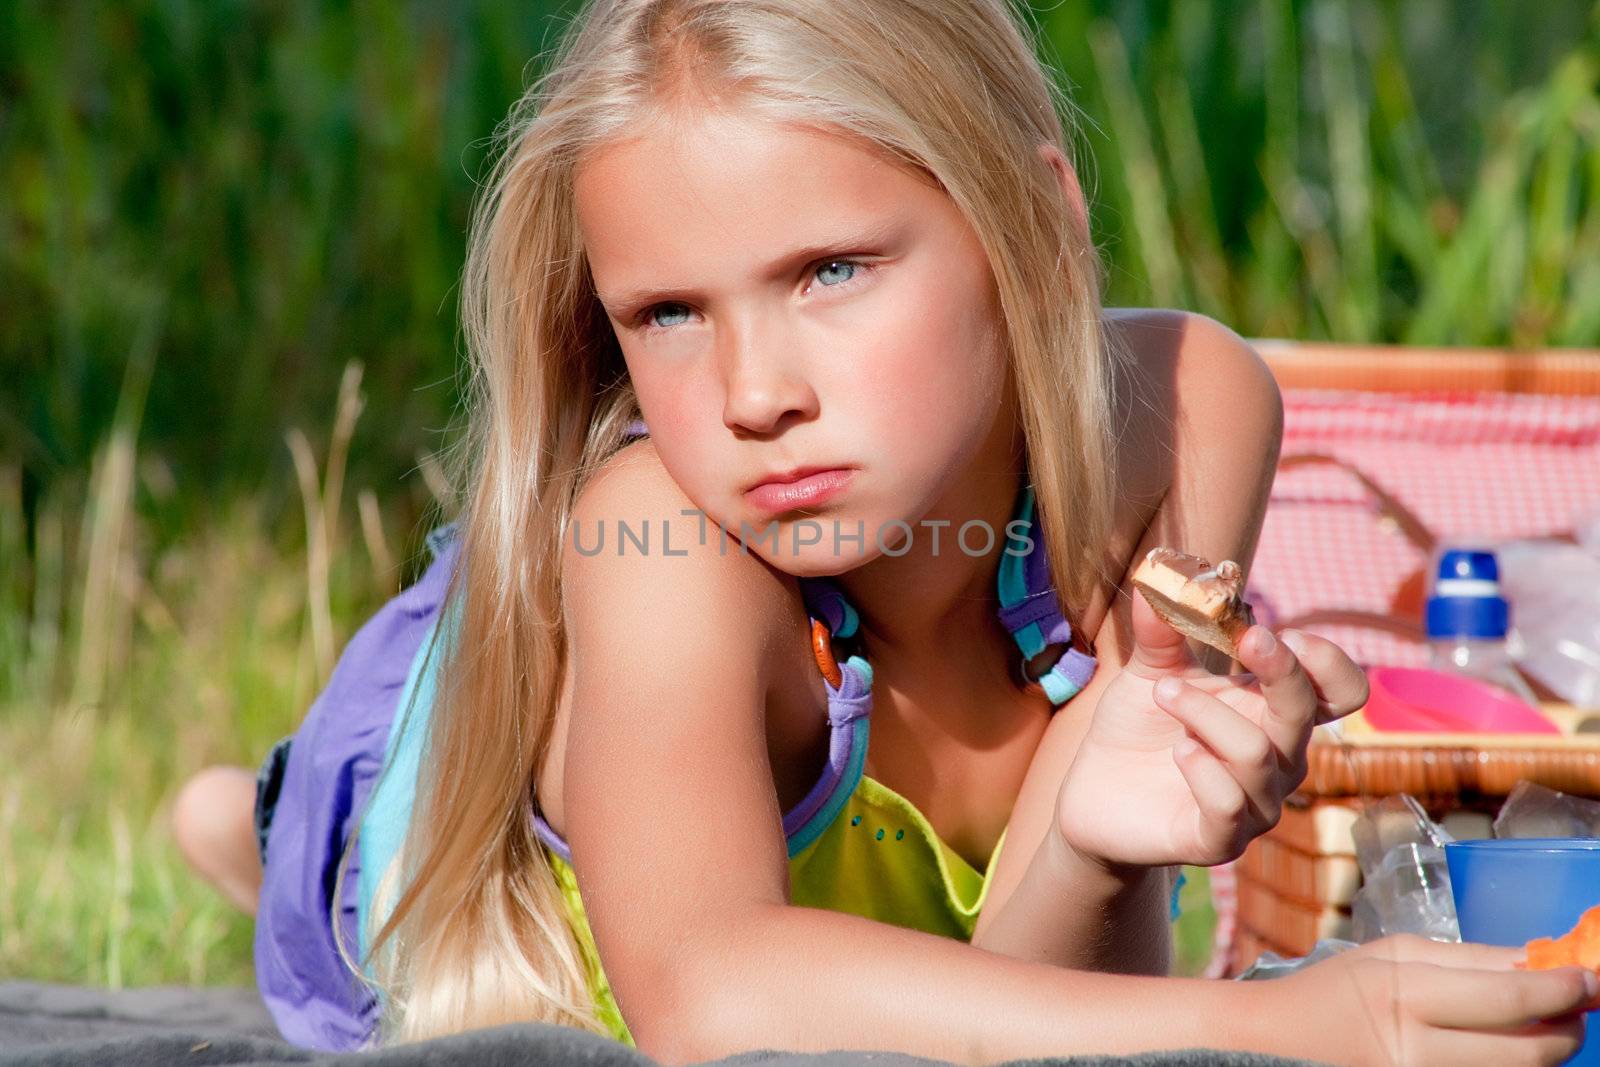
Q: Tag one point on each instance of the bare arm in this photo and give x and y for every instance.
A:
(1072, 912)
(1223, 426)
(812, 980)
(809, 980)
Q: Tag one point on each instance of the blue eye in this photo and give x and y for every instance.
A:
(845, 272)
(854, 266)
(650, 317)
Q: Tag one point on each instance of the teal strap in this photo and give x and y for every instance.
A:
(1058, 687)
(1012, 579)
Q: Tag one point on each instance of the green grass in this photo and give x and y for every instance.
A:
(212, 210)
(1196, 923)
(131, 665)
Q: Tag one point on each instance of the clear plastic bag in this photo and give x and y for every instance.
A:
(1535, 811)
(1405, 887)
(1554, 590)
(1390, 822)
(1409, 893)
(1272, 965)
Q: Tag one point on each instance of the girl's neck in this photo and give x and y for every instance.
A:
(934, 610)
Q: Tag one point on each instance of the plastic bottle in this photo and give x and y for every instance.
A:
(1467, 621)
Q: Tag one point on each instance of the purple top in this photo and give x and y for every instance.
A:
(333, 762)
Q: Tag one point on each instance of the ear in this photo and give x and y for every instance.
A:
(1069, 185)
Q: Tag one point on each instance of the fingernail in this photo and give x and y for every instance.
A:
(1267, 642)
(1168, 688)
(1295, 640)
(1591, 984)
(1185, 748)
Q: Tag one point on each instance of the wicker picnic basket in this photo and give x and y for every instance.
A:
(1294, 885)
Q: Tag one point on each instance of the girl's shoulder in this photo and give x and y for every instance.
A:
(675, 605)
(631, 520)
(1194, 407)
(1186, 384)
(1178, 360)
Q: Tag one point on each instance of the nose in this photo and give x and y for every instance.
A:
(763, 383)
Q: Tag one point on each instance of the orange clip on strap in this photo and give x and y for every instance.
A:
(822, 648)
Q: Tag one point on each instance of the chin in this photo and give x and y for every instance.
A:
(804, 544)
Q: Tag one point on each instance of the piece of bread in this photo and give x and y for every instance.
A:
(1196, 599)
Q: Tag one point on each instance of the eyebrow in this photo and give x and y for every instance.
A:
(630, 301)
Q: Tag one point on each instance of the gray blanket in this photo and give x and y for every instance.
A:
(73, 1026)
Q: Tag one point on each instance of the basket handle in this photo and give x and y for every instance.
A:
(1404, 618)
(1406, 629)
(1387, 505)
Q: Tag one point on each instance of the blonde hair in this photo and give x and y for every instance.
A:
(951, 88)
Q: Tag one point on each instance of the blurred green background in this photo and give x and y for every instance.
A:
(230, 235)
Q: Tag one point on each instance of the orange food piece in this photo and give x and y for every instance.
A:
(1578, 947)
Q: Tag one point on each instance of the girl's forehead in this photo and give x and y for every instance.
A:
(706, 141)
(733, 156)
(720, 179)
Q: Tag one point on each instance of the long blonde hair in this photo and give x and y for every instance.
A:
(478, 935)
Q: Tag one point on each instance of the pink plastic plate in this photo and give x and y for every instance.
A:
(1415, 699)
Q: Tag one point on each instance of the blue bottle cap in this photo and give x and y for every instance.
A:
(1466, 600)
(1468, 563)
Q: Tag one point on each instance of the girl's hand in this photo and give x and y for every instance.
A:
(1405, 1000)
(1183, 766)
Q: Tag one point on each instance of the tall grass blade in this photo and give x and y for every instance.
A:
(1152, 230)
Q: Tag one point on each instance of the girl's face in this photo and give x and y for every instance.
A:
(787, 299)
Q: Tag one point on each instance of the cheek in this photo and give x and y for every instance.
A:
(671, 388)
(673, 406)
(941, 369)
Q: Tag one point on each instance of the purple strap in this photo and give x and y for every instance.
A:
(1075, 666)
(547, 834)
(1032, 608)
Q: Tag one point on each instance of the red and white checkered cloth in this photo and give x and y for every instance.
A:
(1476, 468)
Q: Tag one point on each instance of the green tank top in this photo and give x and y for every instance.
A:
(879, 859)
(854, 844)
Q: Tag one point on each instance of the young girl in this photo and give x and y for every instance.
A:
(778, 685)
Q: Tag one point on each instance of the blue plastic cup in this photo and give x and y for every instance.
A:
(1509, 891)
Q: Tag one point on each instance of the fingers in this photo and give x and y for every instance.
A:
(1221, 802)
(1340, 684)
(1291, 697)
(1410, 948)
(1494, 1000)
(1157, 648)
(1244, 749)
(1552, 1043)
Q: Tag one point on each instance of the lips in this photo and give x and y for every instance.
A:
(780, 478)
(805, 487)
